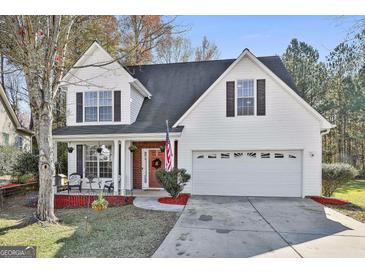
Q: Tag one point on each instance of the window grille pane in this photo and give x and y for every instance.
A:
(105, 113)
(91, 114)
(91, 99)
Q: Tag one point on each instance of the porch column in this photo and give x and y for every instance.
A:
(115, 166)
(54, 151)
(122, 167)
(172, 141)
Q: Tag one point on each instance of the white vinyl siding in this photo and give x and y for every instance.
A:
(136, 104)
(287, 125)
(106, 78)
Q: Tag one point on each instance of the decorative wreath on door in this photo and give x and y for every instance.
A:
(156, 163)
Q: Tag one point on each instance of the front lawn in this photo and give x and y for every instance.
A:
(124, 231)
(354, 192)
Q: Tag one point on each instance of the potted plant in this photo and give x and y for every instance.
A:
(100, 203)
(132, 148)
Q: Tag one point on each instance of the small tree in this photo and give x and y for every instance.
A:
(335, 175)
(173, 181)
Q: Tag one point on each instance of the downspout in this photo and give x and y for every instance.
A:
(326, 131)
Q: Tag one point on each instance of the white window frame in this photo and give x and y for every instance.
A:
(254, 98)
(97, 107)
(98, 161)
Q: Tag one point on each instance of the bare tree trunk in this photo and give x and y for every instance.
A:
(43, 125)
(2, 71)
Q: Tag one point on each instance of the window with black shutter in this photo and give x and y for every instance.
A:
(230, 99)
(261, 97)
(79, 107)
(117, 106)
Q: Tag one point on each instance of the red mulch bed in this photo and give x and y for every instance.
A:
(182, 199)
(76, 201)
(328, 200)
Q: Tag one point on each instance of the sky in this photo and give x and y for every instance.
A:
(268, 35)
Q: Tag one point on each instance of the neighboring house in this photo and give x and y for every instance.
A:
(238, 126)
(12, 133)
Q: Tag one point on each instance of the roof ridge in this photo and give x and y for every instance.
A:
(188, 62)
(193, 62)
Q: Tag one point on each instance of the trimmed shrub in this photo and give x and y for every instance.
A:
(8, 158)
(26, 166)
(335, 175)
(173, 181)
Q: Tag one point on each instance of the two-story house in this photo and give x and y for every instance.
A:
(237, 125)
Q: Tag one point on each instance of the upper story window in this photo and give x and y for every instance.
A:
(245, 97)
(91, 106)
(98, 106)
(105, 106)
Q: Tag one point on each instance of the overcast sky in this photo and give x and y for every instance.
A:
(268, 35)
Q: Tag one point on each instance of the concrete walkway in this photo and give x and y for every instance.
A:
(151, 203)
(262, 227)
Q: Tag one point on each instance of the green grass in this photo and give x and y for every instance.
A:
(354, 192)
(116, 232)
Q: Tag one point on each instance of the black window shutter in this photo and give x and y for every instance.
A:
(79, 160)
(230, 98)
(117, 106)
(79, 107)
(261, 97)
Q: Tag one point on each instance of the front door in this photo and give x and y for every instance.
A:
(153, 159)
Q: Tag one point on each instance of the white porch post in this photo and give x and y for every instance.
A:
(122, 167)
(115, 165)
(173, 151)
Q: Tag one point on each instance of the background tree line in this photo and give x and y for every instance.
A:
(335, 87)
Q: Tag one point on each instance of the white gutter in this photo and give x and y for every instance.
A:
(128, 136)
(141, 88)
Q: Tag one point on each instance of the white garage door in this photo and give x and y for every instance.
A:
(247, 173)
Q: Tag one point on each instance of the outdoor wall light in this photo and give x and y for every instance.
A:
(70, 149)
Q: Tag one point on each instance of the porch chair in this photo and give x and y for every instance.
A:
(91, 178)
(74, 181)
(109, 185)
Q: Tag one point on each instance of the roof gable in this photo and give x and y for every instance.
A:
(274, 69)
(90, 59)
(5, 102)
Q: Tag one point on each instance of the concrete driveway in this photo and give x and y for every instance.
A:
(216, 226)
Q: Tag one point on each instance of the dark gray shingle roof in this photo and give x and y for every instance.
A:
(174, 88)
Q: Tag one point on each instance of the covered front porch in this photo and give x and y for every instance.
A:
(127, 163)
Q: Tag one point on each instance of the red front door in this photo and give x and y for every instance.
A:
(156, 160)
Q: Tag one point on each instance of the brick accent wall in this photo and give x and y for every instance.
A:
(137, 161)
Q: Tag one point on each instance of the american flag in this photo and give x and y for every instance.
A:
(168, 154)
